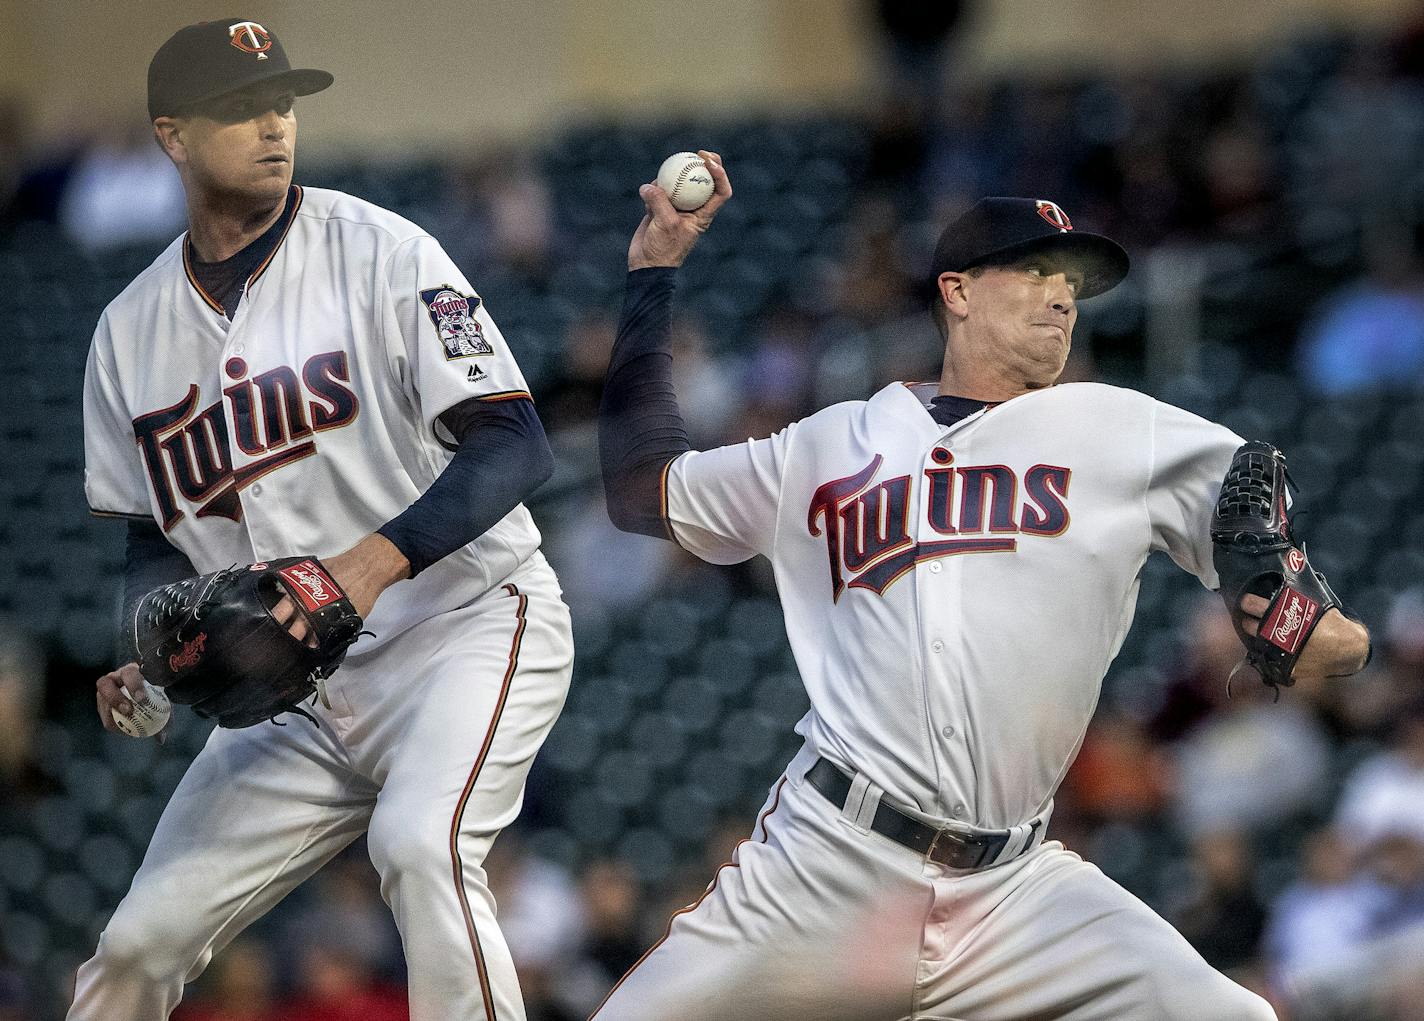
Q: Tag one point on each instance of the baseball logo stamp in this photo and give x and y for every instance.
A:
(250, 37)
(453, 314)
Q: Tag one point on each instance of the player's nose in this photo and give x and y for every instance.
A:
(1060, 294)
(271, 125)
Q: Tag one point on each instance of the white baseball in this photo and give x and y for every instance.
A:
(687, 181)
(151, 712)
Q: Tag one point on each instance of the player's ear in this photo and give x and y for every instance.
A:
(167, 132)
(952, 293)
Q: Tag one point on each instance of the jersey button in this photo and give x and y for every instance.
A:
(935, 567)
(947, 731)
(959, 810)
(257, 489)
(937, 645)
(238, 349)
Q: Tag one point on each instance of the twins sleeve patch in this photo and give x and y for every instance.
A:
(1290, 621)
(453, 314)
(311, 584)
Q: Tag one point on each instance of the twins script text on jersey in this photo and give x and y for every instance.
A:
(274, 414)
(867, 527)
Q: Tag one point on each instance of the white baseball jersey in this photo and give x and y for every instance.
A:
(954, 595)
(309, 420)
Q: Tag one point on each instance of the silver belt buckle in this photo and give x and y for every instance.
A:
(949, 837)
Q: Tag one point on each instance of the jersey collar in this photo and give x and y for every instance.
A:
(288, 217)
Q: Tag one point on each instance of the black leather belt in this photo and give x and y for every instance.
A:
(945, 847)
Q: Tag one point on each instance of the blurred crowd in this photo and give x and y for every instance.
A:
(1285, 840)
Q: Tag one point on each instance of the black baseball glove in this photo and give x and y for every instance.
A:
(212, 642)
(1256, 552)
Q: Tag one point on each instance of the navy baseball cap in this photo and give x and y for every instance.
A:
(999, 230)
(213, 58)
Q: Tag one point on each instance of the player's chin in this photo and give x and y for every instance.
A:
(269, 180)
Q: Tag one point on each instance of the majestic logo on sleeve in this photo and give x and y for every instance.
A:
(453, 314)
(275, 414)
(866, 525)
(250, 37)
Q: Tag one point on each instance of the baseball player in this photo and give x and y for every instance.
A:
(306, 373)
(958, 563)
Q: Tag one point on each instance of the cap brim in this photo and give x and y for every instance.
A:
(302, 81)
(1102, 260)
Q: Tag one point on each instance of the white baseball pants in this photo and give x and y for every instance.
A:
(426, 749)
(817, 918)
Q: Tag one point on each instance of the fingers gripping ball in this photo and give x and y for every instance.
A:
(685, 178)
(151, 712)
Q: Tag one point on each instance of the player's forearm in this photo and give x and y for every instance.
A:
(503, 457)
(640, 427)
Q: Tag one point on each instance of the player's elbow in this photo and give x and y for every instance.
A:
(621, 510)
(632, 507)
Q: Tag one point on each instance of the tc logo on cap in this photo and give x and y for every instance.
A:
(250, 37)
(1050, 212)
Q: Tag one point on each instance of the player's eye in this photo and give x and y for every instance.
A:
(284, 104)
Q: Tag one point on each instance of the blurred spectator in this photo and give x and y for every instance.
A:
(22, 674)
(1360, 137)
(1368, 705)
(778, 374)
(1384, 796)
(239, 986)
(573, 397)
(1325, 915)
(709, 389)
(1353, 949)
(32, 178)
(336, 983)
(1119, 773)
(1255, 762)
(871, 285)
(1370, 333)
(541, 916)
(1241, 187)
(966, 155)
(341, 909)
(1222, 916)
(1197, 685)
(613, 937)
(613, 940)
(506, 185)
(603, 570)
(123, 190)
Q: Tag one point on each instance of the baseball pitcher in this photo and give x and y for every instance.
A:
(305, 383)
(958, 563)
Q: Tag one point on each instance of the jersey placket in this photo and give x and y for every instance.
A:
(939, 594)
(235, 357)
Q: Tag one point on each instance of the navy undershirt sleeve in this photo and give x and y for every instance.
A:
(150, 560)
(503, 456)
(640, 428)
